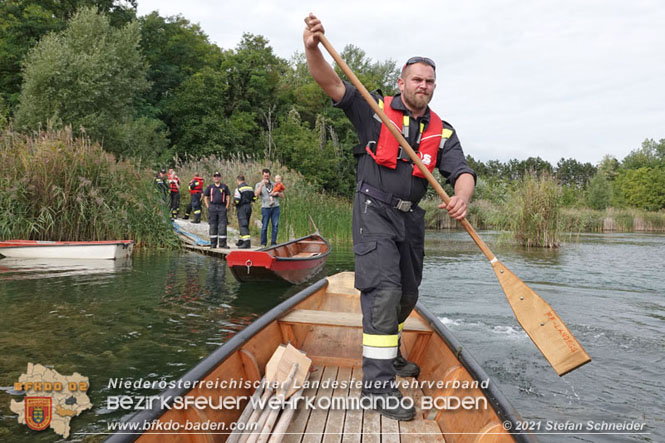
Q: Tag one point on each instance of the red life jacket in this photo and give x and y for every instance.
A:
(196, 185)
(431, 140)
(173, 184)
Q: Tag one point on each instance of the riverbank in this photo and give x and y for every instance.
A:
(54, 186)
(484, 214)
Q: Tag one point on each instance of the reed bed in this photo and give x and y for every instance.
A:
(332, 215)
(54, 186)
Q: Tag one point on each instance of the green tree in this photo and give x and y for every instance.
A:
(609, 167)
(199, 122)
(24, 22)
(90, 76)
(308, 150)
(175, 49)
(570, 172)
(227, 109)
(651, 154)
(643, 187)
(373, 74)
(599, 192)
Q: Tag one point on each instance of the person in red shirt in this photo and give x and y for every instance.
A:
(174, 189)
(195, 192)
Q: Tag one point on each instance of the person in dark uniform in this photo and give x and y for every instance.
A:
(388, 224)
(243, 197)
(217, 198)
(195, 191)
(161, 183)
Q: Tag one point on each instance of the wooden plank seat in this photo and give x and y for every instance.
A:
(348, 319)
(311, 242)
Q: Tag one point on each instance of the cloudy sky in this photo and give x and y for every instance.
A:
(515, 78)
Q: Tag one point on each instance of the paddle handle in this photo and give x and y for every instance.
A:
(402, 141)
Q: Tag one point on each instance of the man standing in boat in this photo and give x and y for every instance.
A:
(388, 224)
(243, 197)
(217, 199)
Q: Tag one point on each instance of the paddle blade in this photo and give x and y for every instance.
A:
(543, 325)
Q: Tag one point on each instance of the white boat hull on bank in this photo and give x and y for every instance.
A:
(94, 250)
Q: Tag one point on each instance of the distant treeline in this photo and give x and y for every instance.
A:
(636, 181)
(155, 88)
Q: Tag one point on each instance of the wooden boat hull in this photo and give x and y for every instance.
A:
(92, 250)
(295, 261)
(324, 321)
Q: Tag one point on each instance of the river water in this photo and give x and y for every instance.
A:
(156, 316)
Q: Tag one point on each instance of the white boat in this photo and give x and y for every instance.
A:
(101, 250)
(40, 268)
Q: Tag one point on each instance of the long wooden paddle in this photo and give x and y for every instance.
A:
(538, 319)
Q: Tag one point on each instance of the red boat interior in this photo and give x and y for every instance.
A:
(301, 249)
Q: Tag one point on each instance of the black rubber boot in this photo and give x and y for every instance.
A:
(245, 244)
(239, 243)
(222, 244)
(390, 404)
(404, 367)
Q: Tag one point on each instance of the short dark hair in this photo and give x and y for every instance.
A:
(241, 178)
(413, 60)
(265, 170)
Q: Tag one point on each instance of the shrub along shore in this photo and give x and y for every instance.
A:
(484, 214)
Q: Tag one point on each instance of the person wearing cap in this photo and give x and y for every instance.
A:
(217, 199)
(388, 224)
(161, 183)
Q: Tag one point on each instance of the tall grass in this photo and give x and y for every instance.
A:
(57, 187)
(331, 214)
(531, 212)
(536, 204)
(612, 220)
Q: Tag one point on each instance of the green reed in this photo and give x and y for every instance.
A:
(54, 186)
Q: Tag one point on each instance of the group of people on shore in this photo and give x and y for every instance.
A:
(217, 198)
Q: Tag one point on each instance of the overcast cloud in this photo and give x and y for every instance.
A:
(515, 78)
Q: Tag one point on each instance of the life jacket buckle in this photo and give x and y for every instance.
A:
(369, 146)
(401, 155)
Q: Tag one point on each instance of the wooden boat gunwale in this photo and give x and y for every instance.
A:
(500, 404)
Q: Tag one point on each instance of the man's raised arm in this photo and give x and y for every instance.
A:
(320, 69)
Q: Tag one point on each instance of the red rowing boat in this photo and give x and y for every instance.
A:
(295, 261)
